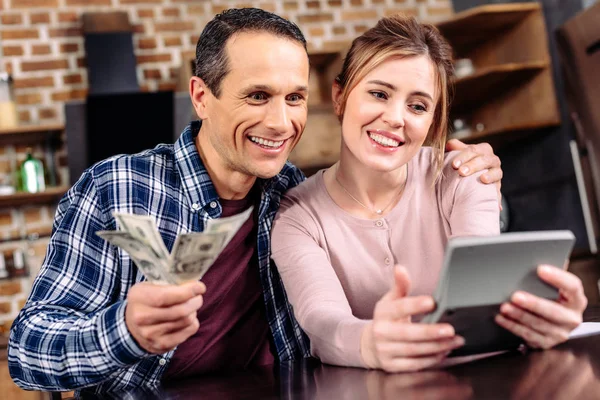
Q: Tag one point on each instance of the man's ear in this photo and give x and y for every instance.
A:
(199, 95)
(336, 97)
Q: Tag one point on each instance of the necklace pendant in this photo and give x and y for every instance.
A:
(379, 212)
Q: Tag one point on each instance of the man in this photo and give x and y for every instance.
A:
(91, 322)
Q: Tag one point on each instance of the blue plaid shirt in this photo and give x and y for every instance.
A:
(71, 333)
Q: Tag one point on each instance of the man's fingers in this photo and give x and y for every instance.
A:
(165, 295)
(493, 175)
(167, 342)
(455, 144)
(167, 328)
(473, 158)
(409, 332)
(387, 308)
(145, 315)
(478, 163)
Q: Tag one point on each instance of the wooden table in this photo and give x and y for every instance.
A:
(566, 372)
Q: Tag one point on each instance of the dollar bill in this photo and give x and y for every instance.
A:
(193, 253)
(144, 229)
(230, 225)
(152, 268)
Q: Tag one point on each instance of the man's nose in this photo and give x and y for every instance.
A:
(277, 118)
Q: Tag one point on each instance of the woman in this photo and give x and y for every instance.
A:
(391, 201)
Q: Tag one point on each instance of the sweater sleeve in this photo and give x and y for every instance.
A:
(313, 288)
(469, 205)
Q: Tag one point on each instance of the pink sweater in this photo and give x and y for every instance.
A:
(335, 267)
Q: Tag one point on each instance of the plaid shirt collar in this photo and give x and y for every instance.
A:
(197, 184)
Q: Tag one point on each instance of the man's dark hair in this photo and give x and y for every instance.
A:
(212, 64)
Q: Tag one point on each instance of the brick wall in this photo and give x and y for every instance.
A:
(42, 46)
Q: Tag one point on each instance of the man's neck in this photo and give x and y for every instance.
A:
(229, 183)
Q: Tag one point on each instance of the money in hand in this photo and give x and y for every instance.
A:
(193, 253)
(153, 268)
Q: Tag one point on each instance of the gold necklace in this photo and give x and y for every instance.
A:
(377, 211)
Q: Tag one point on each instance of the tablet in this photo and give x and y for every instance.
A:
(481, 273)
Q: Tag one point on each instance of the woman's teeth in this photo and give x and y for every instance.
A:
(267, 143)
(384, 141)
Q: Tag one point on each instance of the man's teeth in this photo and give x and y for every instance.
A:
(384, 141)
(267, 143)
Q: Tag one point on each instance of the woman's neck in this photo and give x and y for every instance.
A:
(363, 191)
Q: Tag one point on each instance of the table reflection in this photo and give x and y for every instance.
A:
(567, 372)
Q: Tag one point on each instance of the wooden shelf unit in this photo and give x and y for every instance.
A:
(512, 88)
(476, 88)
(29, 133)
(468, 29)
(18, 199)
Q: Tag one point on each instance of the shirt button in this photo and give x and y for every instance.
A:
(213, 204)
(162, 361)
(379, 223)
(195, 206)
(387, 261)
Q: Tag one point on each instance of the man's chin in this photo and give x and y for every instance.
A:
(267, 171)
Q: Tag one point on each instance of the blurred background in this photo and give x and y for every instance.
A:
(81, 80)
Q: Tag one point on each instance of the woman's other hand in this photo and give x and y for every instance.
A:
(393, 343)
(545, 323)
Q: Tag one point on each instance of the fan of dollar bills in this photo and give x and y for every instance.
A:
(193, 253)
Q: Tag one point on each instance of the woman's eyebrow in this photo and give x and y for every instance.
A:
(392, 87)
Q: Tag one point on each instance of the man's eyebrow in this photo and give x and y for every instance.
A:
(392, 87)
(269, 88)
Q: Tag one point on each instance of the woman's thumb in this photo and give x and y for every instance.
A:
(402, 282)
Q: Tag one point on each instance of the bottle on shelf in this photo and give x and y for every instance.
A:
(8, 107)
(3, 271)
(32, 174)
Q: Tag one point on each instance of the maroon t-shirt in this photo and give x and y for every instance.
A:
(233, 332)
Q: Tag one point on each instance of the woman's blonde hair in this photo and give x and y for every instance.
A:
(401, 36)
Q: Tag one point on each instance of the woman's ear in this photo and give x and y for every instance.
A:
(199, 94)
(336, 97)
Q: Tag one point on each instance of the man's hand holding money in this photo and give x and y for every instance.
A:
(162, 311)
(160, 317)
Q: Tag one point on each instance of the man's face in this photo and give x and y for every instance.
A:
(261, 112)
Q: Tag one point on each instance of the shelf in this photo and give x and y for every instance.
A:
(508, 134)
(29, 133)
(17, 199)
(473, 90)
(472, 27)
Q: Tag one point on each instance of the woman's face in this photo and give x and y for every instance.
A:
(388, 114)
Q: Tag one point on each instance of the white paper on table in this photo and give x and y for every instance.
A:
(585, 329)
